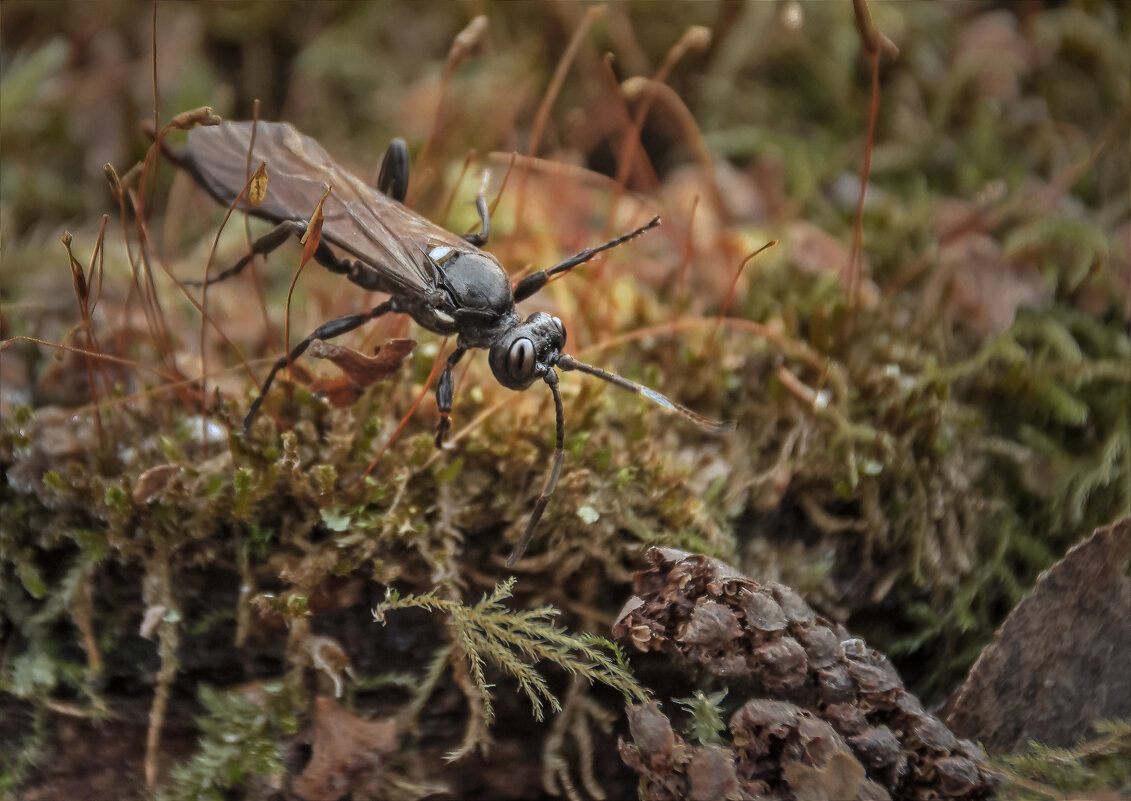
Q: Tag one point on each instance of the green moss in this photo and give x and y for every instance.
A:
(54, 481)
(706, 724)
(242, 486)
(335, 520)
(30, 576)
(117, 499)
(242, 741)
(1099, 765)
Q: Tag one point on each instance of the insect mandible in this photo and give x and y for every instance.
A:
(442, 280)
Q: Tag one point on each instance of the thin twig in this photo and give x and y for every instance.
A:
(734, 286)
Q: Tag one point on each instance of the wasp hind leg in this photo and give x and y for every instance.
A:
(265, 244)
(364, 275)
(329, 330)
(393, 176)
(479, 238)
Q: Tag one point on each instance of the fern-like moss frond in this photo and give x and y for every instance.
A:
(1048, 772)
(514, 640)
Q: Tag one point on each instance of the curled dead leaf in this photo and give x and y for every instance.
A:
(346, 755)
(153, 480)
(153, 615)
(360, 370)
(328, 656)
(711, 774)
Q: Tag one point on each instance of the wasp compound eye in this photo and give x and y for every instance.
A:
(520, 360)
(561, 330)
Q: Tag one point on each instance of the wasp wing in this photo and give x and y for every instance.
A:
(356, 217)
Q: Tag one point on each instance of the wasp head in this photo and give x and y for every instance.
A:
(524, 353)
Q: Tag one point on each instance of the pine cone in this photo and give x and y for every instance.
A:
(827, 716)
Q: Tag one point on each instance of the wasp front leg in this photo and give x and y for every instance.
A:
(445, 391)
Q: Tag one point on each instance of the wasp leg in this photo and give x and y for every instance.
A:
(360, 273)
(265, 244)
(535, 281)
(479, 239)
(445, 391)
(551, 378)
(329, 330)
(393, 176)
(364, 275)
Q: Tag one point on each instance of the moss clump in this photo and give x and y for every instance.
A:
(242, 745)
(943, 484)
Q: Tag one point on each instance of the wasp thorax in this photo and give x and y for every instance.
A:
(474, 280)
(525, 352)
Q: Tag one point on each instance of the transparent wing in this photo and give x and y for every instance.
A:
(357, 218)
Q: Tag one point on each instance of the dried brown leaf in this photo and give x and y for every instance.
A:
(360, 370)
(153, 480)
(347, 754)
(652, 733)
(1059, 662)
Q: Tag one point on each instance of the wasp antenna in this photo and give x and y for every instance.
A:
(589, 253)
(705, 423)
(535, 281)
(551, 378)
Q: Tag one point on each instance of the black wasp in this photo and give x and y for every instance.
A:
(443, 281)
